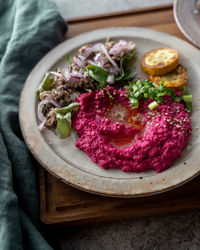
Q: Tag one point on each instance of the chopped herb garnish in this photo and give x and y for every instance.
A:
(148, 90)
(187, 98)
(153, 105)
(188, 106)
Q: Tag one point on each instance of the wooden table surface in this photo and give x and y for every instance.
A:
(160, 19)
(61, 204)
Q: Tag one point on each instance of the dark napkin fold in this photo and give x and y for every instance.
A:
(28, 30)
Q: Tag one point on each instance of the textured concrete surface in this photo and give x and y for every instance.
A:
(80, 8)
(179, 231)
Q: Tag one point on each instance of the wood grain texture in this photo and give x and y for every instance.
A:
(120, 13)
(62, 204)
(161, 20)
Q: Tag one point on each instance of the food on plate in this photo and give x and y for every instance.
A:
(115, 135)
(160, 61)
(175, 79)
(96, 66)
(121, 122)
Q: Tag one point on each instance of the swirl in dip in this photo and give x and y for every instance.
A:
(114, 135)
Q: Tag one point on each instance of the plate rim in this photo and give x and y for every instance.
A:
(159, 185)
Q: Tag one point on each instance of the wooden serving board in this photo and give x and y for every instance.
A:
(62, 204)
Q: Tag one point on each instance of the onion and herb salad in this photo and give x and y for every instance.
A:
(95, 67)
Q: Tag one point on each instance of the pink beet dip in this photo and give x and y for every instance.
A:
(114, 135)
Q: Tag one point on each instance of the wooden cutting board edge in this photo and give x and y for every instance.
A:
(92, 208)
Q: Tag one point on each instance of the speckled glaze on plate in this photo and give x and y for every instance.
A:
(73, 166)
(187, 18)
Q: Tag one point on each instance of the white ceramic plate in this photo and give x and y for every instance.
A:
(73, 166)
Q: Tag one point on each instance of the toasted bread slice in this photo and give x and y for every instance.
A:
(160, 61)
(176, 79)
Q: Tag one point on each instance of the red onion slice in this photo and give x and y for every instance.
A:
(73, 76)
(77, 73)
(85, 74)
(93, 63)
(121, 46)
(110, 79)
(42, 126)
(74, 79)
(41, 117)
(57, 74)
(113, 71)
(100, 48)
(99, 60)
(79, 61)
